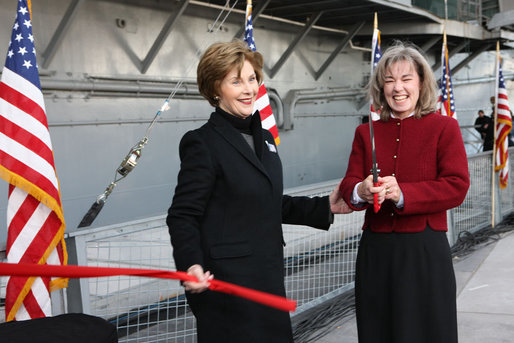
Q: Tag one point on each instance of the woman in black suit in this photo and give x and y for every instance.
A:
(228, 206)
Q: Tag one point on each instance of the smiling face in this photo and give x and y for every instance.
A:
(401, 88)
(238, 92)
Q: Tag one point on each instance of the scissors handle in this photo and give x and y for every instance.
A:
(376, 205)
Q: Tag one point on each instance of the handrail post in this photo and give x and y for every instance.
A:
(78, 289)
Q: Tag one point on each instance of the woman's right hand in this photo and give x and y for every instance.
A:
(366, 190)
(203, 279)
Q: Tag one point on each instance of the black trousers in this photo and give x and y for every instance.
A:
(405, 288)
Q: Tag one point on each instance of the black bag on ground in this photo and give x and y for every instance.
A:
(72, 327)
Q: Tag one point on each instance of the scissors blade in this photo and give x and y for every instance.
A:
(374, 166)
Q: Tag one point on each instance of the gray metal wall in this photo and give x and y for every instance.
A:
(93, 130)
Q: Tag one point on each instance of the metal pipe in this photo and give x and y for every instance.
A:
(324, 95)
(117, 86)
(509, 76)
(126, 121)
(295, 96)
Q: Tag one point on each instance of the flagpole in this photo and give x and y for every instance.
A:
(248, 9)
(495, 115)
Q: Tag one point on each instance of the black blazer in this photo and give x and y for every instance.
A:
(226, 215)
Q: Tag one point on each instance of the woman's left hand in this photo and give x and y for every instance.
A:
(204, 279)
(337, 204)
(393, 191)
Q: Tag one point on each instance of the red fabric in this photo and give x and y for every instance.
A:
(428, 159)
(26, 270)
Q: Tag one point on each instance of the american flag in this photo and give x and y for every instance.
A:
(34, 212)
(446, 101)
(376, 55)
(262, 102)
(503, 127)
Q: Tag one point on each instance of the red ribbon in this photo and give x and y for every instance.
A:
(73, 272)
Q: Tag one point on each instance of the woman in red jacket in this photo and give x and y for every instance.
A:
(405, 283)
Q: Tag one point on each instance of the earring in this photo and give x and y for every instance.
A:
(216, 98)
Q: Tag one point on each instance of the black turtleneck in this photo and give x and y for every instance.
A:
(241, 124)
(250, 126)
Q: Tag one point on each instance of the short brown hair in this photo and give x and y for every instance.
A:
(218, 60)
(428, 88)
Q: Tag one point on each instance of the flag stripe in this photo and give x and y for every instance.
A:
(16, 199)
(17, 290)
(26, 236)
(269, 123)
(44, 236)
(22, 314)
(27, 139)
(262, 92)
(262, 101)
(266, 112)
(22, 103)
(29, 159)
(54, 256)
(31, 177)
(41, 295)
(31, 305)
(14, 115)
(19, 218)
(25, 87)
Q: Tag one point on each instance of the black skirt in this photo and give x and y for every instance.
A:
(405, 288)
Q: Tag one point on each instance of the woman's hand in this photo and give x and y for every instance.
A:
(392, 189)
(337, 204)
(366, 190)
(203, 279)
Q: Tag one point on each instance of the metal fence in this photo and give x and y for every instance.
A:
(476, 210)
(318, 264)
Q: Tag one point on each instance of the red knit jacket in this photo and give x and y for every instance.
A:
(428, 159)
